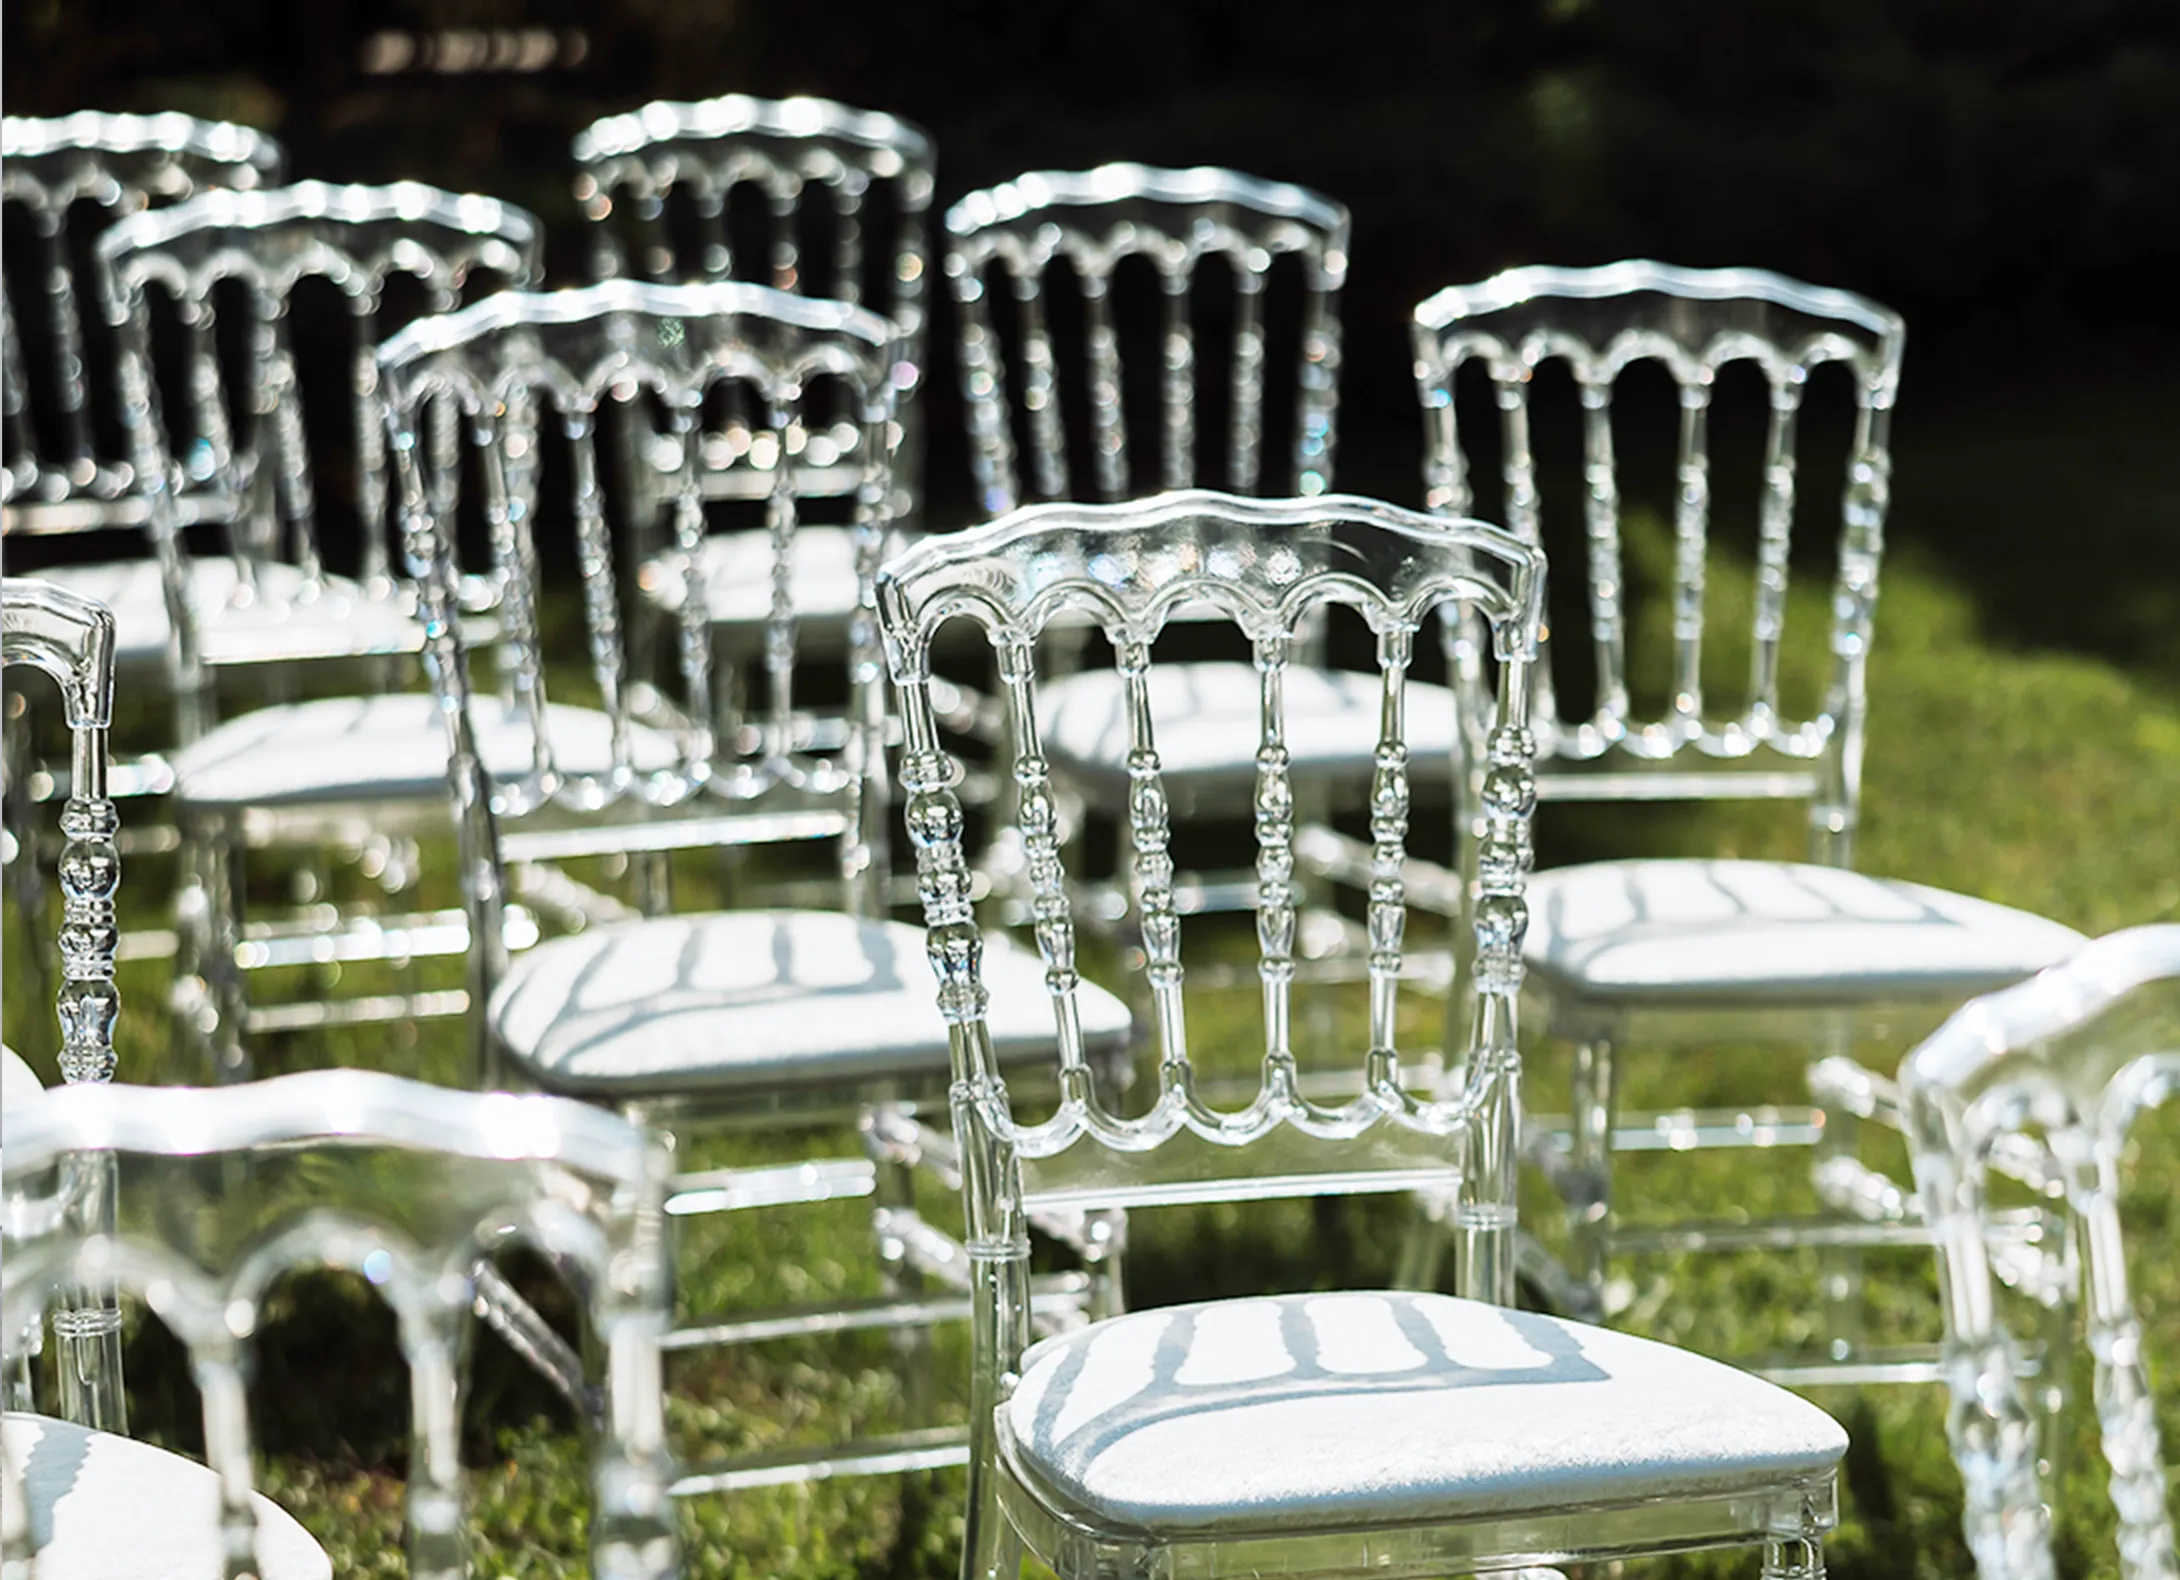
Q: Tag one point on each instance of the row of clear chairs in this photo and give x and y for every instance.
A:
(770, 750)
(1610, 1466)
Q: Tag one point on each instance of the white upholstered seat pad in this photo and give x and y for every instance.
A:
(737, 571)
(340, 620)
(17, 1079)
(1366, 1408)
(103, 1507)
(383, 748)
(1206, 721)
(1775, 930)
(755, 999)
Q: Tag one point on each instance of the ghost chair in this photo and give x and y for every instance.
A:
(845, 195)
(71, 640)
(65, 470)
(757, 1019)
(359, 776)
(1048, 238)
(2066, 1062)
(221, 1192)
(1368, 1432)
(1689, 953)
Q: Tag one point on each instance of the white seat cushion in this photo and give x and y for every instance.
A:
(110, 1508)
(17, 1079)
(1207, 726)
(339, 621)
(1362, 1409)
(758, 999)
(1774, 931)
(384, 748)
(737, 571)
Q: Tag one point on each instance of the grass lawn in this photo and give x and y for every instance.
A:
(2043, 777)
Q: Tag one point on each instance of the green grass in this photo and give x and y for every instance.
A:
(2042, 779)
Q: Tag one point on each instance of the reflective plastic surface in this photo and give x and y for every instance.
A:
(2071, 1057)
(1694, 322)
(219, 1192)
(576, 359)
(57, 480)
(354, 238)
(1092, 220)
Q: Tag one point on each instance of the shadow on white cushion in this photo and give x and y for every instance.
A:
(757, 999)
(1354, 1409)
(384, 748)
(340, 621)
(1775, 931)
(110, 1508)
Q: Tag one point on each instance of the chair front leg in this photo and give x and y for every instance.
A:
(1589, 1175)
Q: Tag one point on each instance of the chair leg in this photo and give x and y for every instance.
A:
(211, 998)
(895, 1191)
(1793, 1558)
(1840, 1267)
(1422, 1257)
(1589, 1176)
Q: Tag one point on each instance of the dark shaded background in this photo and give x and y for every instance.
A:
(2005, 173)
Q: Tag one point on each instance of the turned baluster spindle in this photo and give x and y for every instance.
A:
(1774, 539)
(1178, 381)
(1245, 443)
(1388, 902)
(1275, 857)
(1108, 419)
(1150, 833)
(1037, 815)
(1601, 517)
(1691, 543)
(1040, 391)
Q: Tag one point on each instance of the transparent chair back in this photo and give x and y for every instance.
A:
(65, 468)
(269, 242)
(1266, 566)
(1695, 322)
(221, 1192)
(71, 639)
(1091, 221)
(838, 208)
(690, 761)
(2071, 1059)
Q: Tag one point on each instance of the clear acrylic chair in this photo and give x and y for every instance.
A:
(271, 598)
(1665, 953)
(64, 471)
(71, 640)
(1366, 1433)
(2066, 1062)
(845, 194)
(359, 775)
(1049, 233)
(758, 1017)
(220, 1192)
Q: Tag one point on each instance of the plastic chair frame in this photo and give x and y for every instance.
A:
(411, 1187)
